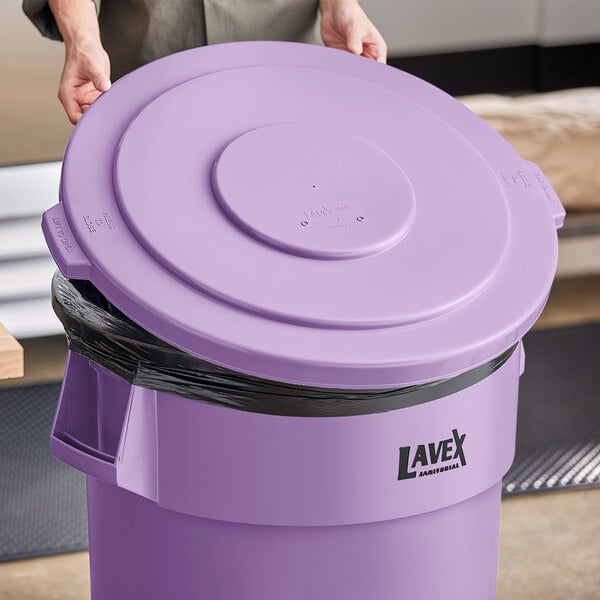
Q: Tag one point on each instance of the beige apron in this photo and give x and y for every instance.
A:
(135, 32)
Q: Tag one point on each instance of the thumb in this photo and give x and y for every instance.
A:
(354, 44)
(101, 82)
(99, 76)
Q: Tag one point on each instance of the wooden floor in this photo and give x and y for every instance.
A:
(549, 550)
(549, 543)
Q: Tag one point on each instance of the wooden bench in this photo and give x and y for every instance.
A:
(11, 355)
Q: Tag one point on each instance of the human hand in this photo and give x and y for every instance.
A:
(344, 25)
(86, 73)
(85, 76)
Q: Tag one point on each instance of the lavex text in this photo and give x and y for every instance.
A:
(427, 459)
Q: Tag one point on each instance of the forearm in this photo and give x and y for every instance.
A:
(329, 5)
(76, 20)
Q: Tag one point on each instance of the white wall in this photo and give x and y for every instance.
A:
(429, 26)
(25, 264)
(33, 127)
(569, 22)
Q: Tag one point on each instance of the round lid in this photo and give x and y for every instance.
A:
(305, 215)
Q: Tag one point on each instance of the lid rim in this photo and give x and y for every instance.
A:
(296, 354)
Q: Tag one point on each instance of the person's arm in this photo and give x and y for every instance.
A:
(86, 73)
(344, 25)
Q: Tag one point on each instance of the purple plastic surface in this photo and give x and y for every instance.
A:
(258, 186)
(140, 552)
(191, 500)
(225, 464)
(305, 215)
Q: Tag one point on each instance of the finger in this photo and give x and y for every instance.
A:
(94, 71)
(85, 106)
(354, 43)
(73, 110)
(99, 78)
(70, 104)
(381, 51)
(375, 53)
(376, 48)
(74, 113)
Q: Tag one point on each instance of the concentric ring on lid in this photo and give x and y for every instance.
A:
(196, 175)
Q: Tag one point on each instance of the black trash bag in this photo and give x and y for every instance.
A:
(99, 331)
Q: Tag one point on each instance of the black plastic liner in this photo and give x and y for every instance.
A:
(99, 331)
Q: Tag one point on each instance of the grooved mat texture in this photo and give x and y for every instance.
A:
(558, 424)
(42, 501)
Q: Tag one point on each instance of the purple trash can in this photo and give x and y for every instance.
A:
(365, 254)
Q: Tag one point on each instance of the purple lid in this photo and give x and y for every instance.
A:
(305, 215)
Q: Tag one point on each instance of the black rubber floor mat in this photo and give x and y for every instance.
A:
(42, 501)
(558, 427)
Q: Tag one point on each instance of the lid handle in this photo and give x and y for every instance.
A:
(62, 244)
(556, 208)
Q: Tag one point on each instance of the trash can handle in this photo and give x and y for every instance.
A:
(82, 456)
(90, 419)
(62, 244)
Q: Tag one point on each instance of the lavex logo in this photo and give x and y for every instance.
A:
(423, 460)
